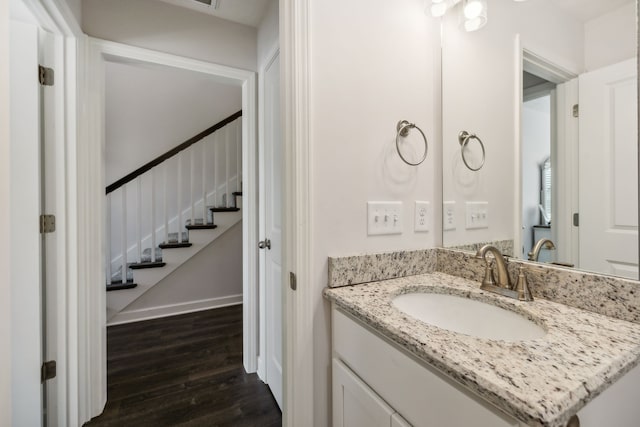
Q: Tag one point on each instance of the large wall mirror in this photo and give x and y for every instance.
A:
(540, 132)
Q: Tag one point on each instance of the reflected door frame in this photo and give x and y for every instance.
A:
(564, 126)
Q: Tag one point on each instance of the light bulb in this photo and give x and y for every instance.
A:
(473, 9)
(439, 9)
(472, 24)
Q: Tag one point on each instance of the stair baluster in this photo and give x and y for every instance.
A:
(123, 234)
(238, 126)
(204, 183)
(108, 240)
(179, 223)
(216, 162)
(192, 181)
(165, 196)
(227, 137)
(153, 215)
(139, 218)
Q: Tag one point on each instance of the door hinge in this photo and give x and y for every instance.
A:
(47, 223)
(45, 75)
(576, 219)
(293, 283)
(48, 370)
(575, 110)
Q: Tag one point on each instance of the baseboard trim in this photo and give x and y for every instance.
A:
(174, 309)
(261, 369)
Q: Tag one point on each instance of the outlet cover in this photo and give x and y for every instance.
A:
(422, 216)
(449, 216)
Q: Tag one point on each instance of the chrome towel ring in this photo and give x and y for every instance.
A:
(402, 129)
(463, 138)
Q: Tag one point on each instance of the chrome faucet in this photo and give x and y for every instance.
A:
(535, 252)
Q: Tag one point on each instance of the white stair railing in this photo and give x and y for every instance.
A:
(131, 221)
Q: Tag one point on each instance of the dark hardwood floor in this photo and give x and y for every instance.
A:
(183, 371)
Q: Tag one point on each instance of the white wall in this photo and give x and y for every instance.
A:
(150, 110)
(5, 246)
(167, 28)
(268, 32)
(213, 277)
(536, 148)
(480, 95)
(373, 63)
(610, 38)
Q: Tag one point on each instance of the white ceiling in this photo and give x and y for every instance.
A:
(585, 10)
(247, 12)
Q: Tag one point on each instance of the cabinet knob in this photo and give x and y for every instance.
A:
(573, 421)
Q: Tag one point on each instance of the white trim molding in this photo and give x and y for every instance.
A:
(92, 185)
(298, 195)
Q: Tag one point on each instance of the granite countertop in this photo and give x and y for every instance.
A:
(541, 382)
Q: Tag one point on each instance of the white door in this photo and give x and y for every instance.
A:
(608, 170)
(26, 321)
(271, 203)
(33, 139)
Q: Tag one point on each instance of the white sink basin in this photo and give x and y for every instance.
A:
(467, 316)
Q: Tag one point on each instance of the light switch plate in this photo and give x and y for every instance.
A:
(422, 216)
(449, 216)
(384, 218)
(477, 215)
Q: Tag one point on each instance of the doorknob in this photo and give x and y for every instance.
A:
(266, 243)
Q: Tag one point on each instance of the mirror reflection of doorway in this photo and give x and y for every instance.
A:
(537, 126)
(593, 224)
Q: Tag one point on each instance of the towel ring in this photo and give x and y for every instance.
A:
(402, 129)
(463, 138)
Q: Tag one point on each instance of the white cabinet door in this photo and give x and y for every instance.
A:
(616, 406)
(354, 403)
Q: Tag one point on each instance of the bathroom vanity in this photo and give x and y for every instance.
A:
(392, 369)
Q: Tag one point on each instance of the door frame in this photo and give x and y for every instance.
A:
(98, 52)
(527, 59)
(299, 311)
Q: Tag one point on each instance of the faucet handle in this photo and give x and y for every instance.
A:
(489, 278)
(522, 287)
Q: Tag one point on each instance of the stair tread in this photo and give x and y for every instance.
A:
(116, 286)
(212, 209)
(174, 245)
(147, 264)
(201, 227)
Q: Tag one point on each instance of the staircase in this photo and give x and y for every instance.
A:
(167, 211)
